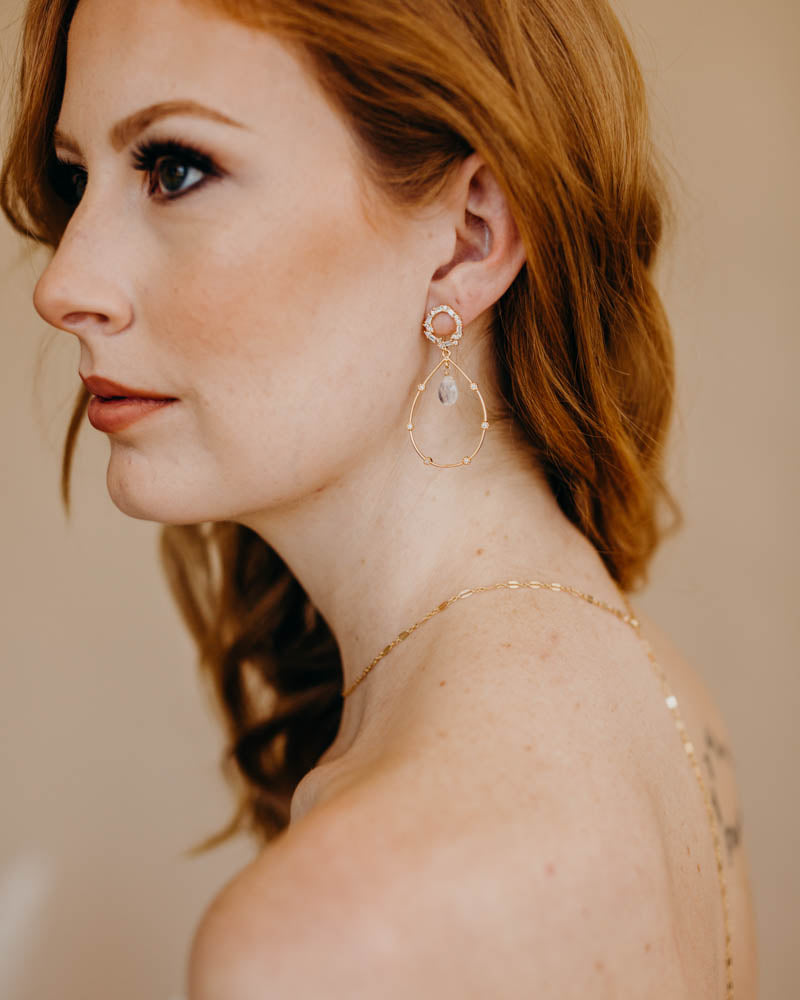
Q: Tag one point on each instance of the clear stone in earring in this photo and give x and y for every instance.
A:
(448, 391)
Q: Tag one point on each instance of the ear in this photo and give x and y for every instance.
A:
(488, 251)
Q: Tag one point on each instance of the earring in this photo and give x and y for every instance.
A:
(448, 390)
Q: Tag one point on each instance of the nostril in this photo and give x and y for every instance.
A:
(83, 322)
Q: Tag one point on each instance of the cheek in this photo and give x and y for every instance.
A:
(275, 321)
(244, 280)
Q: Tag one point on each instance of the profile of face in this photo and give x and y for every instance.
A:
(259, 279)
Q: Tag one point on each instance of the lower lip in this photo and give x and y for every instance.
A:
(116, 414)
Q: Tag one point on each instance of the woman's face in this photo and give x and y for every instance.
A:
(275, 297)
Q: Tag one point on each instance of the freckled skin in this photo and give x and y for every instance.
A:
(255, 285)
(281, 304)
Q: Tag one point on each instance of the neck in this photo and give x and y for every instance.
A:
(385, 542)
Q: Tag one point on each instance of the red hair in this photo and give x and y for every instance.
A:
(550, 94)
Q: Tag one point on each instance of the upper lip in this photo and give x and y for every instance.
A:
(105, 387)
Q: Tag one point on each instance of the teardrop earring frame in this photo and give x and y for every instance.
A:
(444, 345)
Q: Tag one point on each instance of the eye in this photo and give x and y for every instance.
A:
(170, 162)
(67, 180)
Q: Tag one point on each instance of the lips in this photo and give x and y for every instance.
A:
(106, 389)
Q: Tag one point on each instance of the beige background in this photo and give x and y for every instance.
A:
(108, 751)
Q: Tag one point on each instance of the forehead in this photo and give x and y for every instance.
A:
(123, 55)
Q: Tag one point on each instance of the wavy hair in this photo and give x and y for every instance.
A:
(551, 95)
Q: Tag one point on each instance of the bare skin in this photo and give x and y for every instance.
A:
(549, 814)
(281, 302)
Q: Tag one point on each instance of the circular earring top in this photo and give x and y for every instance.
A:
(455, 336)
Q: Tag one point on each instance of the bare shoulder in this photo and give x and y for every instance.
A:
(273, 928)
(543, 836)
(308, 917)
(375, 893)
(317, 913)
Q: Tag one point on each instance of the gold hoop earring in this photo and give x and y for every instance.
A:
(448, 390)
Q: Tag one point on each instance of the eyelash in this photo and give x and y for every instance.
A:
(145, 157)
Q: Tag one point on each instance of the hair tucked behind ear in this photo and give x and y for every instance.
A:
(549, 92)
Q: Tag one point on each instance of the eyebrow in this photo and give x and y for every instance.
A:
(126, 130)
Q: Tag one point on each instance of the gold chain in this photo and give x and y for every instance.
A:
(629, 618)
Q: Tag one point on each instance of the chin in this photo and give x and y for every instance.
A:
(151, 508)
(156, 498)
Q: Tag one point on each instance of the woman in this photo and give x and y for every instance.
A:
(286, 226)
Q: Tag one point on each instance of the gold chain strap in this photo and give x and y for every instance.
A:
(629, 618)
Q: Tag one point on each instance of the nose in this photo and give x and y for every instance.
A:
(79, 291)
